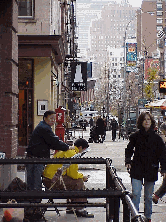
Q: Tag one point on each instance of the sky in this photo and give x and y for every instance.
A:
(134, 3)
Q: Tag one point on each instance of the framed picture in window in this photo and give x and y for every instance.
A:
(42, 107)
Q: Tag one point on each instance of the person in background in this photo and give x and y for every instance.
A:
(100, 128)
(72, 179)
(91, 122)
(114, 127)
(162, 189)
(143, 154)
(42, 140)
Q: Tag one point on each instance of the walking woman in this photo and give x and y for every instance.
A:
(142, 156)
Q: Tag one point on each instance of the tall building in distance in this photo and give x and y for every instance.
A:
(86, 11)
(108, 32)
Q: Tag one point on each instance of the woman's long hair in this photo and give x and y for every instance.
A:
(141, 118)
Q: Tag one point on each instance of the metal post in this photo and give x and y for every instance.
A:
(109, 201)
(126, 212)
(112, 204)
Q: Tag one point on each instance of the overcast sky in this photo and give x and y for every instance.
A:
(134, 3)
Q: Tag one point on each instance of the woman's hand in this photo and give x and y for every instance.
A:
(128, 167)
(163, 175)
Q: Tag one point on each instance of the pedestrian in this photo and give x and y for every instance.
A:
(162, 189)
(91, 122)
(100, 129)
(42, 140)
(147, 149)
(114, 127)
(72, 179)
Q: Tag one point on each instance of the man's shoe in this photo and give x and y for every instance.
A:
(155, 199)
(84, 213)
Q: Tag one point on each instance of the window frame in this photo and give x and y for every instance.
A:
(159, 20)
(159, 6)
(27, 16)
(159, 13)
(159, 27)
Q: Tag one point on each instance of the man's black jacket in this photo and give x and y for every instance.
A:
(43, 139)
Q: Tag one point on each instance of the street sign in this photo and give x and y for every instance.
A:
(2, 155)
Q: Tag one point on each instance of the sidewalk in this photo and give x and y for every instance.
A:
(115, 151)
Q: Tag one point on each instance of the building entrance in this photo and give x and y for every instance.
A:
(25, 106)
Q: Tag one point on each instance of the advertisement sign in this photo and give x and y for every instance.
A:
(151, 63)
(79, 76)
(162, 86)
(131, 54)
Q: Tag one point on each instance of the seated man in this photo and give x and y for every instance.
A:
(73, 180)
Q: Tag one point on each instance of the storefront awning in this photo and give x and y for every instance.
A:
(41, 46)
(160, 104)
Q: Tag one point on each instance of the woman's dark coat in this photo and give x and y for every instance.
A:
(147, 150)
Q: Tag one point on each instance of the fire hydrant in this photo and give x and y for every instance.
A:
(60, 130)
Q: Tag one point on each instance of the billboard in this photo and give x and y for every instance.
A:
(151, 63)
(78, 76)
(162, 86)
(131, 54)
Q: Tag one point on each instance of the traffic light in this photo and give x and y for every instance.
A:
(162, 86)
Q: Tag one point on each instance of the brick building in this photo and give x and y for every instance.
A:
(151, 20)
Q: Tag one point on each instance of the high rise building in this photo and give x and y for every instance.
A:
(86, 12)
(118, 21)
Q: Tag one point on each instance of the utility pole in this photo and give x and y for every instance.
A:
(108, 93)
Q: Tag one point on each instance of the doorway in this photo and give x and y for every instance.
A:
(25, 104)
(25, 119)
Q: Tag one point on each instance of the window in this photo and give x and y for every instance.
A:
(25, 8)
(159, 5)
(159, 20)
(159, 13)
(159, 27)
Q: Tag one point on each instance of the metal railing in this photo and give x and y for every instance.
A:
(114, 191)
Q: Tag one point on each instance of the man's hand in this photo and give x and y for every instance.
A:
(85, 178)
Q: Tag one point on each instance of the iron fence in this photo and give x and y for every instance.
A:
(114, 191)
